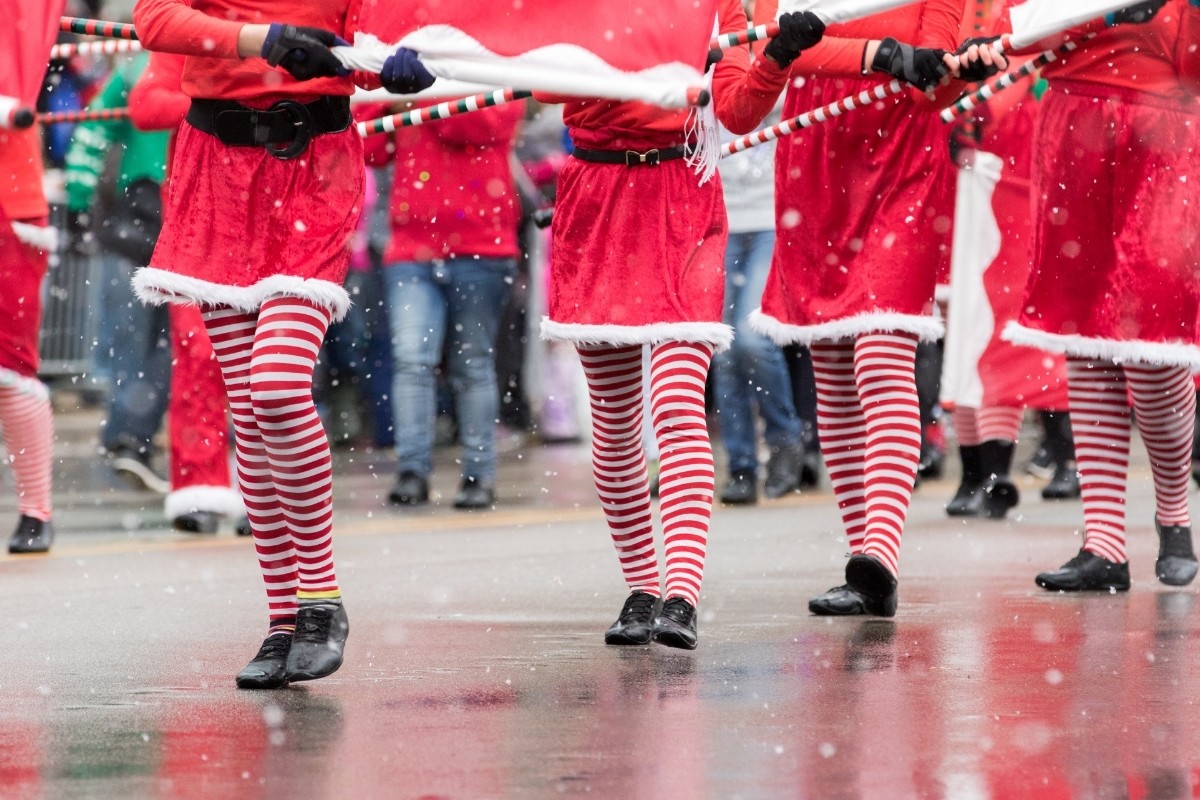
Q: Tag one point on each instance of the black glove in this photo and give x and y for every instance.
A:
(798, 31)
(1135, 14)
(920, 66)
(303, 52)
(403, 73)
(976, 70)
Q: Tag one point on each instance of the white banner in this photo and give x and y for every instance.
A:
(835, 11)
(1037, 19)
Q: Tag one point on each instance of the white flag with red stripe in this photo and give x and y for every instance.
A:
(615, 49)
(1036, 19)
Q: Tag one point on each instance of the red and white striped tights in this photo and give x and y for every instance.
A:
(1164, 400)
(974, 426)
(677, 375)
(283, 462)
(28, 428)
(870, 426)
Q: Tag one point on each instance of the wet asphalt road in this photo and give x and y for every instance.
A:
(476, 667)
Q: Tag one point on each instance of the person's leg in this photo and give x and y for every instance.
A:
(28, 428)
(968, 498)
(417, 311)
(1164, 402)
(614, 380)
(843, 433)
(1059, 444)
(999, 429)
(287, 339)
(1101, 424)
(232, 335)
(678, 372)
(732, 381)
(476, 297)
(928, 371)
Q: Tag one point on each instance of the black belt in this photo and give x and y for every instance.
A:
(287, 123)
(630, 158)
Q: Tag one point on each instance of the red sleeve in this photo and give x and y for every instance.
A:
(1187, 47)
(833, 55)
(941, 21)
(744, 92)
(173, 26)
(157, 101)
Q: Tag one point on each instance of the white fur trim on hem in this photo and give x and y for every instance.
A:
(158, 286)
(43, 238)
(928, 329)
(218, 499)
(1159, 354)
(23, 384)
(717, 334)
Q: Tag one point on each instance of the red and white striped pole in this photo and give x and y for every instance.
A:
(452, 108)
(102, 47)
(84, 115)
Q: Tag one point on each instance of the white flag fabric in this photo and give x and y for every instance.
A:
(835, 11)
(1036, 19)
(969, 320)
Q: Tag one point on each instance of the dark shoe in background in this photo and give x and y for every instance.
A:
(968, 498)
(784, 468)
(933, 451)
(999, 492)
(1086, 572)
(1064, 484)
(197, 522)
(411, 489)
(741, 490)
(242, 527)
(474, 494)
(32, 535)
(134, 466)
(635, 623)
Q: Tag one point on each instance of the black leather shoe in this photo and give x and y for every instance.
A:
(197, 522)
(675, 625)
(741, 489)
(1176, 564)
(783, 471)
(870, 578)
(1086, 572)
(636, 622)
(268, 669)
(840, 601)
(242, 527)
(1064, 483)
(321, 631)
(32, 535)
(474, 494)
(411, 489)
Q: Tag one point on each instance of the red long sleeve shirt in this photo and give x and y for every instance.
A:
(206, 32)
(156, 101)
(1160, 57)
(453, 194)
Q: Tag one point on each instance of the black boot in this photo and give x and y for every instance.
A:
(268, 668)
(1086, 572)
(675, 625)
(999, 492)
(411, 489)
(1176, 564)
(474, 493)
(867, 576)
(741, 489)
(783, 471)
(320, 639)
(32, 535)
(636, 621)
(1064, 484)
(968, 500)
(197, 522)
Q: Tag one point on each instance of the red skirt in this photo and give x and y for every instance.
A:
(1117, 246)
(22, 267)
(639, 256)
(864, 211)
(240, 225)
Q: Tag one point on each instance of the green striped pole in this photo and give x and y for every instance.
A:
(451, 108)
(97, 27)
(981, 95)
(727, 40)
(84, 115)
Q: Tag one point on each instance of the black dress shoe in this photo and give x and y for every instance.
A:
(267, 670)
(32, 535)
(840, 601)
(320, 639)
(1064, 483)
(741, 489)
(474, 494)
(783, 471)
(675, 625)
(870, 578)
(242, 527)
(197, 522)
(1176, 564)
(411, 489)
(636, 622)
(1087, 572)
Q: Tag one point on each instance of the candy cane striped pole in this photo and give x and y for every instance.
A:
(450, 108)
(83, 115)
(727, 40)
(102, 47)
(969, 101)
(810, 118)
(97, 27)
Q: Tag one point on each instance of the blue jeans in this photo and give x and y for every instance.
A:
(753, 371)
(135, 341)
(454, 307)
